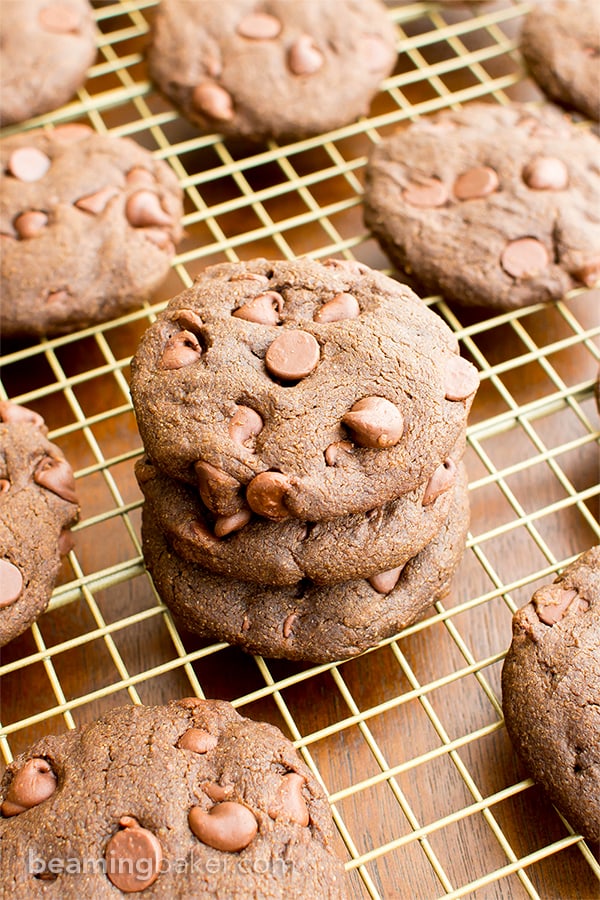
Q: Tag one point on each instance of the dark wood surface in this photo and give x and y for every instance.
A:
(534, 505)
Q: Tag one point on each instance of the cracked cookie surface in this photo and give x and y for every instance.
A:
(88, 224)
(301, 389)
(289, 70)
(551, 691)
(185, 800)
(491, 206)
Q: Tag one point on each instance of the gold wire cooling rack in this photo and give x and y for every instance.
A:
(408, 739)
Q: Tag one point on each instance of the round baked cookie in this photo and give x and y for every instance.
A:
(493, 206)
(185, 800)
(560, 41)
(47, 47)
(285, 552)
(88, 225)
(284, 69)
(551, 691)
(38, 504)
(307, 622)
(299, 388)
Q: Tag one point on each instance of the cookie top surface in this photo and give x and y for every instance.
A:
(299, 388)
(560, 41)
(551, 689)
(38, 502)
(250, 548)
(185, 800)
(492, 206)
(289, 70)
(88, 224)
(308, 622)
(47, 48)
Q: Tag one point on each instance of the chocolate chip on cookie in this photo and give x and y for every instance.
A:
(90, 223)
(492, 206)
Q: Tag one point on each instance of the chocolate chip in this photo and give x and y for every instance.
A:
(197, 740)
(552, 603)
(266, 495)
(225, 525)
(259, 26)
(291, 805)
(244, 425)
(461, 378)
(133, 857)
(12, 412)
(56, 475)
(140, 177)
(97, 202)
(11, 583)
(288, 624)
(160, 238)
(4, 489)
(304, 57)
(375, 422)
(189, 320)
(292, 355)
(265, 309)
(30, 223)
(33, 783)
(143, 209)
(219, 491)
(475, 183)
(28, 164)
(589, 273)
(250, 276)
(524, 258)
(181, 349)
(228, 826)
(384, 582)
(441, 481)
(342, 306)
(429, 192)
(59, 18)
(546, 173)
(216, 792)
(210, 98)
(337, 454)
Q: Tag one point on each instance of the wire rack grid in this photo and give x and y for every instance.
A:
(408, 739)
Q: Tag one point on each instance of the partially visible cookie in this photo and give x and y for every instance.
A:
(88, 224)
(299, 388)
(560, 41)
(250, 548)
(285, 69)
(492, 206)
(551, 691)
(187, 800)
(38, 504)
(47, 47)
(305, 621)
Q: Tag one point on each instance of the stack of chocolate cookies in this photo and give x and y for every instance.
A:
(303, 426)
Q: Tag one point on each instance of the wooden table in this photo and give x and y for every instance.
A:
(408, 739)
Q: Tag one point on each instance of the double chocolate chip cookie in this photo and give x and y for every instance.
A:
(47, 47)
(560, 41)
(38, 504)
(88, 225)
(492, 206)
(283, 69)
(186, 800)
(551, 691)
(302, 389)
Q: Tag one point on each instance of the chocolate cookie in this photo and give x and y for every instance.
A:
(560, 41)
(88, 225)
(47, 47)
(300, 389)
(185, 800)
(38, 504)
(306, 621)
(490, 205)
(285, 552)
(286, 70)
(551, 691)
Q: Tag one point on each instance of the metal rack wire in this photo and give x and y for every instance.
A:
(532, 458)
